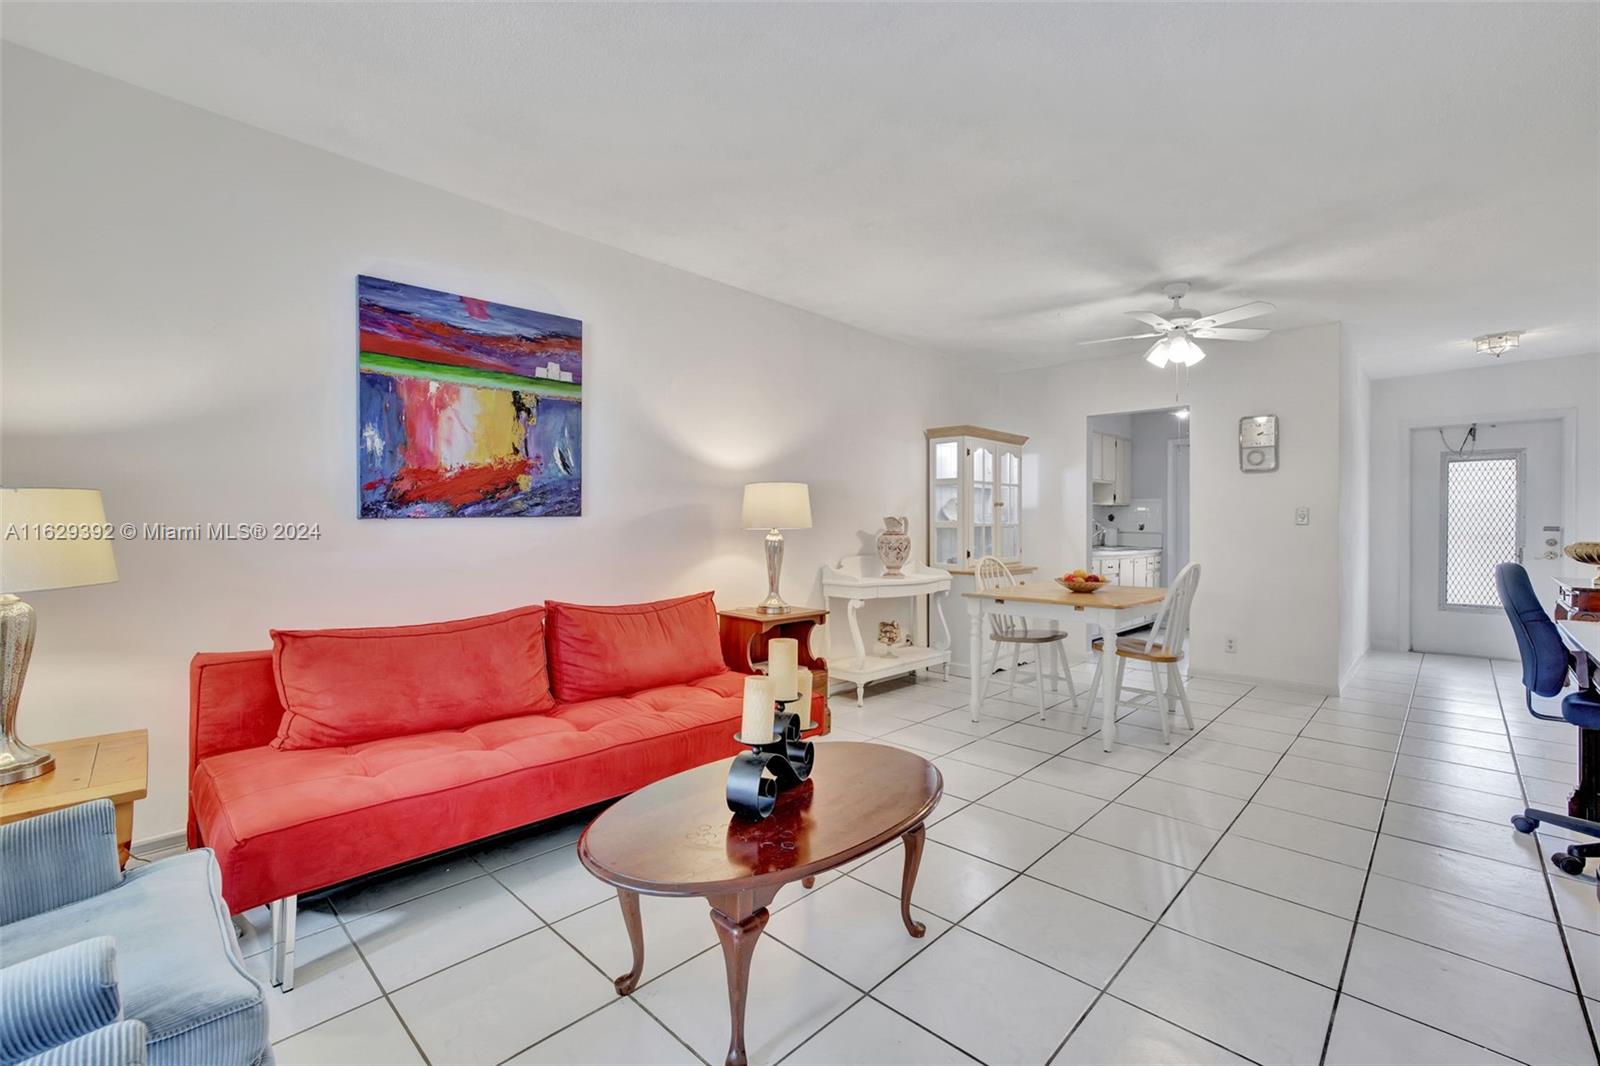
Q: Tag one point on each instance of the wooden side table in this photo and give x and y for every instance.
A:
(114, 766)
(745, 632)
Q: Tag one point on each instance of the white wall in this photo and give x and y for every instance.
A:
(1355, 499)
(1505, 392)
(1266, 582)
(179, 331)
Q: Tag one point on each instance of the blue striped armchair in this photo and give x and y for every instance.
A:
(98, 967)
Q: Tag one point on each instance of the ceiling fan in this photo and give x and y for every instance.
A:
(1177, 330)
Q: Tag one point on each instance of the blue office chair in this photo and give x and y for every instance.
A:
(1545, 664)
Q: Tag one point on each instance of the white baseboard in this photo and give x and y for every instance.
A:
(1270, 682)
(1344, 678)
(159, 847)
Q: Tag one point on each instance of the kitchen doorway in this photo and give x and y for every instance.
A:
(1482, 493)
(1138, 487)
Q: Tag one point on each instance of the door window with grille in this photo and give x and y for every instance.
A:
(1480, 526)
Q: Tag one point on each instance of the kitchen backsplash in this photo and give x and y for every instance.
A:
(1135, 524)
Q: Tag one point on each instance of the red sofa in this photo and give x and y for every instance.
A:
(493, 723)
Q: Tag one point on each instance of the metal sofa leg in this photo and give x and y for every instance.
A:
(283, 914)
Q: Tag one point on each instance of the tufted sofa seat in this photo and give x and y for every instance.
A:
(284, 822)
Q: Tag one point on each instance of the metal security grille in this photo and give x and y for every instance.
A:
(1482, 526)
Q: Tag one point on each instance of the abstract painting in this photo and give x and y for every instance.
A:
(469, 408)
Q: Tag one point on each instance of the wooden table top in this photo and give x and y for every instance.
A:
(793, 614)
(678, 838)
(1112, 597)
(112, 766)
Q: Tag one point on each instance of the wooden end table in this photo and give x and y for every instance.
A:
(677, 838)
(745, 632)
(113, 766)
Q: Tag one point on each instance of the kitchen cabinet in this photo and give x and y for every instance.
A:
(1110, 468)
(1140, 568)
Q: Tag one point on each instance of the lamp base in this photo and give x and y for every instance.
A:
(773, 604)
(18, 761)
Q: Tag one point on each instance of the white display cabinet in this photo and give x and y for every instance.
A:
(974, 508)
(974, 495)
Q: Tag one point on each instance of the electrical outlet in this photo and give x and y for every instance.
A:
(1302, 516)
(1230, 645)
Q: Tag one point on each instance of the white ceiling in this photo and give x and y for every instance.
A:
(990, 180)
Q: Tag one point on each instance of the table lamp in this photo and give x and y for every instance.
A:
(49, 539)
(775, 506)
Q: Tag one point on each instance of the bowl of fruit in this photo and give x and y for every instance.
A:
(1082, 581)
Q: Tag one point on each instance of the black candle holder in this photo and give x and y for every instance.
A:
(782, 761)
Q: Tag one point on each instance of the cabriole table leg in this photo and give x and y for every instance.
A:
(913, 840)
(635, 923)
(738, 945)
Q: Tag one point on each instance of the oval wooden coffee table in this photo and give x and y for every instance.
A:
(677, 838)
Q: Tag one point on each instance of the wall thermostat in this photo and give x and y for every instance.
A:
(1258, 444)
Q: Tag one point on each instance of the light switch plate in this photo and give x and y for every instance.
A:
(1302, 516)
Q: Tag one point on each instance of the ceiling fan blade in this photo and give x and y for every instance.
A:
(1233, 314)
(1234, 334)
(1124, 337)
(1153, 321)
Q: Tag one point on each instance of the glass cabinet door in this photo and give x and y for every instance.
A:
(984, 499)
(1008, 505)
(944, 503)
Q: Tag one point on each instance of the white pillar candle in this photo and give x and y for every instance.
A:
(783, 657)
(803, 706)
(756, 723)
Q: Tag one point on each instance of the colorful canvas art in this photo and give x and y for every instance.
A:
(468, 408)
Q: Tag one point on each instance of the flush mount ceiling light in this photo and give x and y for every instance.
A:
(1498, 344)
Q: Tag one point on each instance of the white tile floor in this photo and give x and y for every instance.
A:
(1302, 880)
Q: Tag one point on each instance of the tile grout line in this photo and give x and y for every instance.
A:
(1366, 878)
(596, 966)
(1156, 923)
(1544, 869)
(1017, 876)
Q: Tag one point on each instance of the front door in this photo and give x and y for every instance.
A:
(1477, 502)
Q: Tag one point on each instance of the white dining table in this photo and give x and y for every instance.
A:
(1050, 602)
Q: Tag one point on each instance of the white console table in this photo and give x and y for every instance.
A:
(859, 578)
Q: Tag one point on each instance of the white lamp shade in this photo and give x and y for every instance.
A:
(777, 505)
(53, 539)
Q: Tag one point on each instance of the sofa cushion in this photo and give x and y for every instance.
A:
(347, 686)
(616, 651)
(293, 821)
(178, 966)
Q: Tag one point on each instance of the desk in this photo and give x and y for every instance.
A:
(1054, 603)
(1585, 637)
(112, 766)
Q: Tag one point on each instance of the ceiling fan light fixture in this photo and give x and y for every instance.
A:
(1183, 351)
(1157, 355)
(1498, 344)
